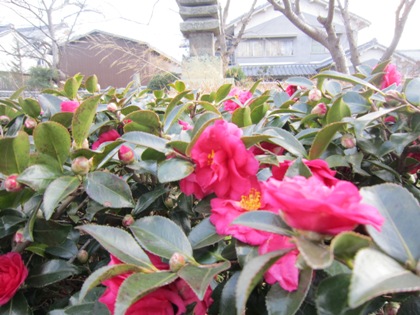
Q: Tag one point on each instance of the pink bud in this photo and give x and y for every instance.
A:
(11, 184)
(185, 125)
(314, 95)
(320, 109)
(30, 123)
(80, 165)
(348, 141)
(4, 120)
(18, 237)
(126, 155)
(85, 145)
(176, 262)
(127, 220)
(112, 107)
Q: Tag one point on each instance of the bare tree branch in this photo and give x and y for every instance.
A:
(354, 53)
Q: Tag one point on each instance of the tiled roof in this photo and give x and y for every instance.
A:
(280, 70)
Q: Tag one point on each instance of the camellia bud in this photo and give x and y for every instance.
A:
(176, 262)
(126, 155)
(314, 95)
(4, 120)
(320, 109)
(18, 237)
(30, 123)
(85, 145)
(127, 220)
(348, 141)
(82, 256)
(80, 165)
(11, 184)
(112, 107)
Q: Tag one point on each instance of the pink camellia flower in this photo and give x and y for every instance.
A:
(273, 148)
(126, 155)
(12, 274)
(240, 96)
(160, 301)
(391, 76)
(69, 106)
(318, 167)
(291, 89)
(185, 125)
(314, 95)
(11, 184)
(224, 211)
(284, 270)
(110, 135)
(310, 205)
(223, 165)
(320, 109)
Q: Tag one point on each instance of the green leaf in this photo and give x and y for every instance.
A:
(14, 153)
(200, 125)
(105, 273)
(71, 87)
(92, 84)
(412, 91)
(174, 169)
(346, 78)
(222, 92)
(174, 101)
(108, 152)
(282, 302)
(147, 119)
(50, 272)
(31, 107)
(147, 140)
(323, 139)
(400, 232)
(286, 140)
(204, 234)
(161, 237)
(338, 111)
(83, 118)
(56, 191)
(200, 277)
(242, 117)
(64, 118)
(251, 275)
(361, 122)
(49, 232)
(300, 81)
(264, 221)
(109, 190)
(173, 117)
(66, 250)
(149, 198)
(52, 139)
(50, 104)
(298, 168)
(16, 306)
(10, 222)
(139, 285)
(227, 301)
(375, 274)
(38, 177)
(316, 255)
(333, 87)
(119, 243)
(346, 245)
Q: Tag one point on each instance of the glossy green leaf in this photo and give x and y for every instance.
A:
(356, 103)
(119, 243)
(161, 237)
(52, 139)
(31, 107)
(227, 300)
(338, 111)
(264, 221)
(180, 146)
(316, 255)
(109, 190)
(104, 273)
(286, 140)
(361, 122)
(50, 104)
(300, 81)
(242, 117)
(56, 191)
(50, 233)
(92, 84)
(252, 274)
(324, 138)
(109, 150)
(83, 118)
(175, 115)
(412, 91)
(65, 250)
(199, 126)
(204, 234)
(174, 169)
(282, 302)
(137, 286)
(333, 87)
(399, 233)
(70, 88)
(64, 118)
(146, 140)
(14, 153)
(222, 92)
(149, 198)
(10, 222)
(298, 168)
(346, 245)
(38, 177)
(375, 274)
(200, 277)
(50, 272)
(147, 119)
(16, 306)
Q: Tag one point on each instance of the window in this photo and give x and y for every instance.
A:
(265, 47)
(317, 48)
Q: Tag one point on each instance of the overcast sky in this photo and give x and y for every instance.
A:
(157, 21)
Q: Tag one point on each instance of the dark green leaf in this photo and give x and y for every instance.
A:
(242, 117)
(83, 118)
(323, 139)
(174, 169)
(31, 107)
(222, 92)
(66, 250)
(119, 243)
(161, 237)
(286, 140)
(148, 119)
(50, 232)
(264, 221)
(50, 104)
(146, 140)
(14, 153)
(298, 168)
(50, 272)
(338, 111)
(227, 301)
(204, 234)
(316, 255)
(346, 245)
(109, 190)
(346, 78)
(71, 87)
(10, 222)
(92, 84)
(16, 306)
(412, 91)
(148, 198)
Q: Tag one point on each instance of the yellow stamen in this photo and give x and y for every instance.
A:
(210, 158)
(252, 201)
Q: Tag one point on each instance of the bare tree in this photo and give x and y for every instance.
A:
(47, 18)
(228, 42)
(326, 35)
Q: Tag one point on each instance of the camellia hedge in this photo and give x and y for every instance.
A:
(297, 200)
